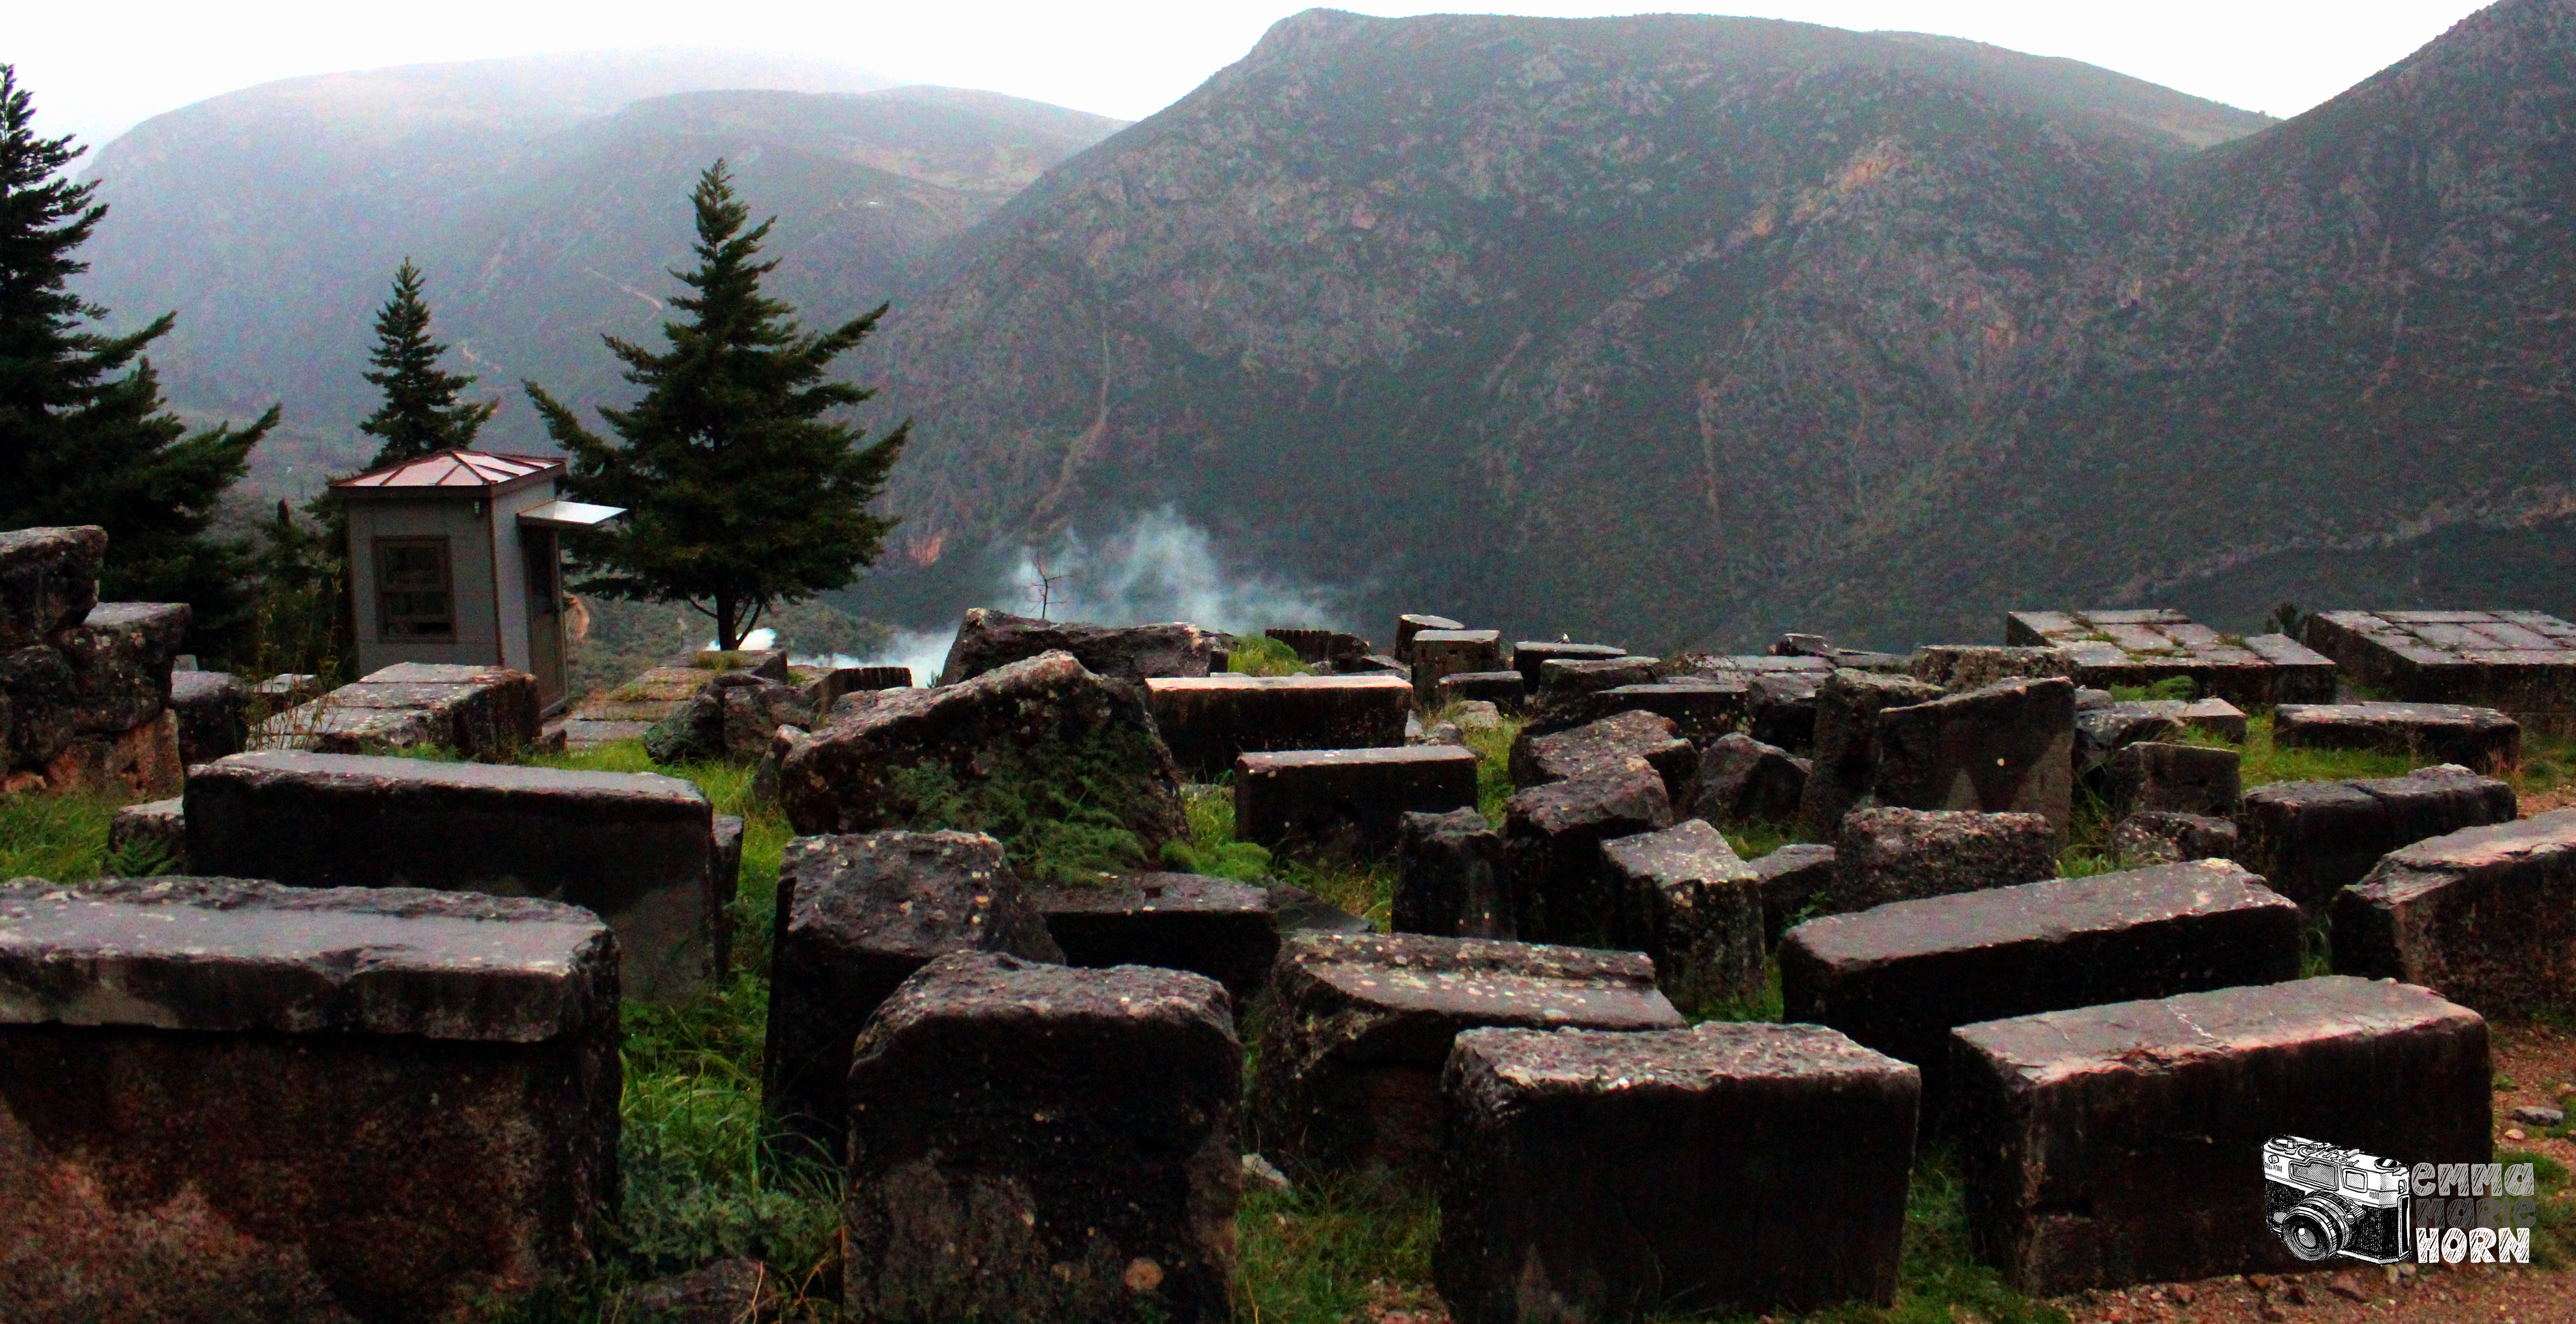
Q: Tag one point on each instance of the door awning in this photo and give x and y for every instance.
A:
(568, 515)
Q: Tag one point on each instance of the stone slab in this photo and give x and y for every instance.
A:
(2139, 647)
(1845, 772)
(2183, 779)
(1499, 688)
(478, 712)
(2521, 662)
(1700, 709)
(1552, 837)
(154, 829)
(120, 657)
(1209, 721)
(2006, 748)
(214, 714)
(2486, 916)
(1692, 906)
(1792, 878)
(1450, 878)
(1529, 655)
(2480, 739)
(1441, 653)
(48, 581)
(1887, 854)
(1347, 800)
(2310, 838)
(1173, 921)
(1408, 626)
(1538, 758)
(988, 640)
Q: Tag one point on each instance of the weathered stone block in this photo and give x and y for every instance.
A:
(1783, 710)
(480, 712)
(989, 640)
(857, 915)
(825, 690)
(1904, 854)
(2082, 1125)
(2186, 779)
(987, 748)
(1899, 977)
(1615, 1176)
(735, 716)
(36, 713)
(1332, 647)
(2143, 647)
(634, 848)
(1499, 688)
(1174, 921)
(2007, 748)
(1440, 653)
(2310, 838)
(1031, 1142)
(48, 581)
(1576, 675)
(2105, 731)
(1848, 704)
(1742, 780)
(2154, 836)
(1360, 1026)
(214, 714)
(1962, 667)
(1701, 710)
(156, 829)
(1347, 800)
(2480, 739)
(120, 658)
(1792, 878)
(1690, 904)
(1450, 880)
(1552, 837)
(1408, 626)
(2486, 915)
(1529, 655)
(1208, 722)
(2521, 662)
(231, 1100)
(1609, 743)
(143, 761)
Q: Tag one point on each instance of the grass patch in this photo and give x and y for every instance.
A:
(1261, 655)
(1324, 1253)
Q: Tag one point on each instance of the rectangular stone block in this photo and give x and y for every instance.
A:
(857, 916)
(1360, 1025)
(2521, 662)
(1531, 654)
(1847, 708)
(1440, 653)
(1899, 977)
(634, 848)
(2144, 646)
(2183, 779)
(1174, 921)
(1499, 688)
(1888, 855)
(479, 712)
(120, 659)
(2083, 1125)
(1450, 878)
(1332, 646)
(1552, 837)
(48, 581)
(1686, 901)
(827, 688)
(2479, 739)
(1742, 780)
(1408, 626)
(1209, 721)
(1696, 1172)
(1701, 710)
(1582, 675)
(1540, 755)
(231, 1100)
(1347, 800)
(2310, 838)
(155, 830)
(2486, 916)
(1792, 878)
(214, 714)
(1031, 1142)
(2007, 748)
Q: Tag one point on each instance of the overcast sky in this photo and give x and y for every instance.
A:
(98, 71)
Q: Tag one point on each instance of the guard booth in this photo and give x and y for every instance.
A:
(453, 558)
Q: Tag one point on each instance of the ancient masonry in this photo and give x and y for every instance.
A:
(355, 1051)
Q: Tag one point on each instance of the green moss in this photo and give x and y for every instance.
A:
(2171, 687)
(1261, 655)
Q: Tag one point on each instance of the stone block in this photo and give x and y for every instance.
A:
(1848, 704)
(765, 663)
(2154, 836)
(1962, 667)
(1031, 1142)
(1583, 675)
(1332, 647)
(2520, 662)
(1684, 899)
(2485, 915)
(1209, 722)
(2310, 838)
(1682, 1172)
(48, 581)
(479, 712)
(1347, 801)
(1173, 921)
(1900, 977)
(1552, 837)
(1605, 744)
(858, 915)
(989, 640)
(2082, 1125)
(2186, 779)
(827, 688)
(1782, 710)
(1499, 688)
(989, 747)
(157, 831)
(1408, 626)
(2480, 739)
(736, 715)
(2007, 748)
(1742, 780)
(2105, 731)
(1905, 854)
(36, 713)
(1529, 655)
(2143, 647)
(1296, 910)
(1792, 878)
(736, 1291)
(1700, 709)
(143, 761)
(1440, 653)
(1450, 880)
(214, 714)
(120, 659)
(634, 848)
(228, 1100)
(1361, 1024)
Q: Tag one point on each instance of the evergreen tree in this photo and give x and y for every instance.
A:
(420, 415)
(84, 437)
(739, 495)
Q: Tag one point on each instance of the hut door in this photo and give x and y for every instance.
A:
(545, 614)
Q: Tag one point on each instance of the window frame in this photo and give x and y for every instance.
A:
(414, 627)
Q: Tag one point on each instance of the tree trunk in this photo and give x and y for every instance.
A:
(728, 624)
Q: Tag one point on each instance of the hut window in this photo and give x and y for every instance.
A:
(415, 598)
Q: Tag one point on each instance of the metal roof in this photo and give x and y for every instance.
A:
(455, 469)
(569, 515)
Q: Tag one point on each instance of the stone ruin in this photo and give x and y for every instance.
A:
(84, 684)
(1053, 1071)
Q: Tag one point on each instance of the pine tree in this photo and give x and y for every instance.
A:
(740, 496)
(84, 437)
(420, 415)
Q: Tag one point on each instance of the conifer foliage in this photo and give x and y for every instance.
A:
(421, 414)
(740, 495)
(84, 436)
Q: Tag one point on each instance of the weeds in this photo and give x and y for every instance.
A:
(1261, 655)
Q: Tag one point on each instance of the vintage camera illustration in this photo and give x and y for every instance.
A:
(2324, 1200)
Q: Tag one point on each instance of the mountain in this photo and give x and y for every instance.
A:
(544, 196)
(1626, 326)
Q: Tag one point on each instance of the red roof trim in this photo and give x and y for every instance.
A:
(455, 468)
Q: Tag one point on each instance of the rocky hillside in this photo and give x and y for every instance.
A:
(1687, 329)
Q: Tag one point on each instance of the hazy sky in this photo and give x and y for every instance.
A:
(1127, 58)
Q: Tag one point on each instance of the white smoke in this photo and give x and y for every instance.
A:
(1160, 567)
